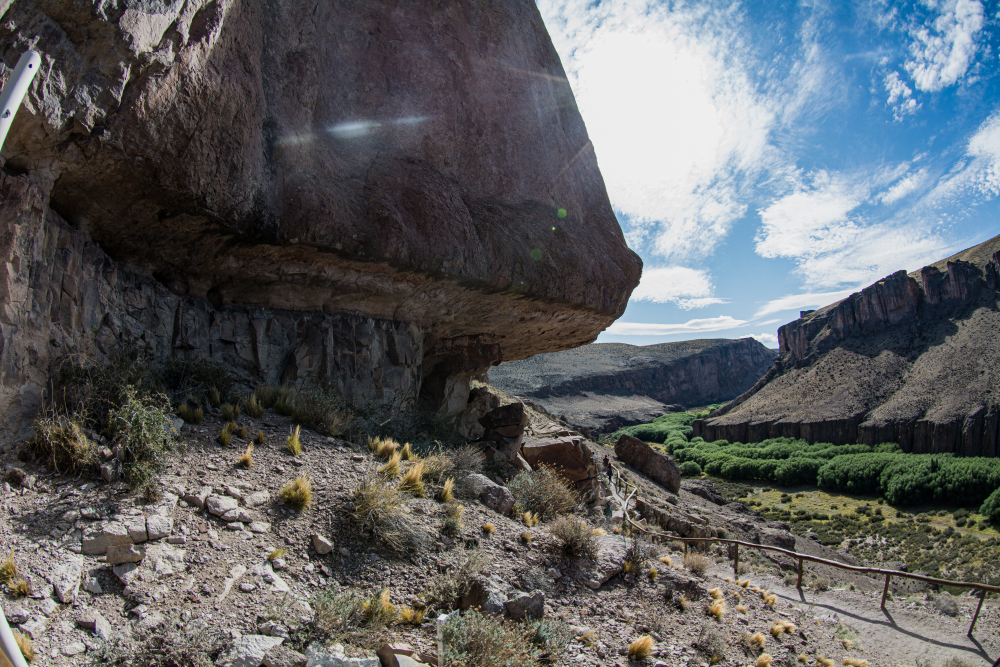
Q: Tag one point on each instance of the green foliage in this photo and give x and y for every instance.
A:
(991, 506)
(542, 492)
(143, 430)
(690, 469)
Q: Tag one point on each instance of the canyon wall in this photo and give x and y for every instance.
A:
(602, 387)
(415, 176)
(910, 359)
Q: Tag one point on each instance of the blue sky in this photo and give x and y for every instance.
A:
(768, 157)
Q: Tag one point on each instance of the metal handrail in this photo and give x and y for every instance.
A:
(889, 574)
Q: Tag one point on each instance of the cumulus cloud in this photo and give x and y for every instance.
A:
(818, 225)
(943, 48)
(685, 287)
(985, 148)
(691, 326)
(677, 125)
(900, 97)
(767, 339)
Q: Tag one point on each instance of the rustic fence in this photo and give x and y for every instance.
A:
(621, 486)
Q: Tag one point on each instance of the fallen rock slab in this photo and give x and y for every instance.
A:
(219, 505)
(65, 578)
(318, 656)
(530, 605)
(611, 550)
(282, 656)
(649, 462)
(125, 553)
(248, 651)
(492, 495)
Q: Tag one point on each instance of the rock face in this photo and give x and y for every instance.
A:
(648, 461)
(390, 199)
(909, 359)
(602, 387)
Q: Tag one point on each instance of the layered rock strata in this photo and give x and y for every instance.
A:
(411, 189)
(602, 387)
(911, 359)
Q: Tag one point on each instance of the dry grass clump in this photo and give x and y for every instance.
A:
(24, 644)
(8, 568)
(717, 608)
(653, 573)
(530, 519)
(826, 662)
(189, 414)
(682, 603)
(381, 447)
(436, 466)
(757, 640)
(447, 492)
(406, 452)
(379, 507)
(391, 467)
(254, 407)
(803, 658)
(284, 401)
(716, 593)
(297, 493)
(225, 436)
(764, 660)
(229, 411)
(856, 662)
(543, 493)
(781, 627)
(526, 537)
(321, 410)
(453, 521)
(293, 441)
(214, 397)
(60, 442)
(575, 536)
(412, 481)
(696, 563)
(588, 638)
(260, 439)
(641, 648)
(630, 567)
(276, 553)
(410, 616)
(489, 528)
(264, 395)
(741, 609)
(19, 587)
(743, 584)
(666, 560)
(770, 600)
(243, 433)
(471, 638)
(598, 531)
(246, 459)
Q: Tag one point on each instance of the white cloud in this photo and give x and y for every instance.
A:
(942, 49)
(767, 339)
(904, 187)
(978, 174)
(806, 301)
(819, 227)
(685, 287)
(985, 146)
(691, 326)
(900, 97)
(677, 125)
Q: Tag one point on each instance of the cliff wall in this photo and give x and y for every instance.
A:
(421, 168)
(910, 359)
(605, 386)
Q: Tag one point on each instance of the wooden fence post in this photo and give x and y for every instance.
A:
(736, 562)
(799, 584)
(982, 596)
(885, 591)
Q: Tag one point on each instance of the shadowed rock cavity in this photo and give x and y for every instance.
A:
(424, 168)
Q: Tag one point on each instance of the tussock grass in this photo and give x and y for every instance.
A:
(743, 584)
(630, 567)
(741, 609)
(781, 627)
(260, 439)
(489, 528)
(263, 395)
(436, 466)
(391, 467)
(856, 662)
(379, 507)
(826, 662)
(292, 441)
(682, 603)
(19, 587)
(225, 436)
(189, 414)
(243, 433)
(530, 519)
(297, 493)
(803, 658)
(641, 648)
(229, 411)
(453, 521)
(276, 553)
(406, 452)
(716, 593)
(8, 568)
(757, 640)
(588, 638)
(526, 537)
(653, 573)
(717, 608)
(24, 644)
(254, 407)
(410, 616)
(596, 532)
(770, 600)
(412, 480)
(764, 660)
(214, 397)
(447, 492)
(696, 563)
(383, 448)
(60, 442)
(246, 459)
(666, 560)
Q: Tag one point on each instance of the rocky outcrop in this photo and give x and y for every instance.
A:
(394, 199)
(602, 387)
(648, 461)
(909, 359)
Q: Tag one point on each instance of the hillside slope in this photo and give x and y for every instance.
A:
(602, 387)
(912, 359)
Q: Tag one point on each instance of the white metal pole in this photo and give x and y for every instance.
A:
(8, 646)
(15, 88)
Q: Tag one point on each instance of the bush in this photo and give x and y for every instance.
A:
(444, 592)
(690, 469)
(542, 492)
(60, 443)
(552, 636)
(297, 493)
(470, 638)
(322, 410)
(378, 507)
(697, 563)
(353, 616)
(576, 537)
(991, 507)
(145, 433)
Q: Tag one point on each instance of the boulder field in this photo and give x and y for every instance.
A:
(386, 198)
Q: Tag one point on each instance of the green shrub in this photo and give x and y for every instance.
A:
(145, 433)
(542, 492)
(991, 507)
(690, 469)
(470, 638)
(576, 536)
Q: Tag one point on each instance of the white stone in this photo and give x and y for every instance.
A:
(34, 627)
(219, 505)
(92, 585)
(75, 648)
(318, 656)
(256, 499)
(48, 606)
(158, 527)
(65, 578)
(136, 527)
(235, 572)
(126, 572)
(198, 499)
(107, 534)
(249, 650)
(125, 553)
(259, 527)
(237, 514)
(321, 544)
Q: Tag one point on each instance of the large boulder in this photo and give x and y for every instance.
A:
(504, 428)
(648, 461)
(416, 183)
(567, 455)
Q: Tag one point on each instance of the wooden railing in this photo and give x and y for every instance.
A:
(622, 486)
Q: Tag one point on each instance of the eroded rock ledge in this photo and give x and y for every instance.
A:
(422, 170)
